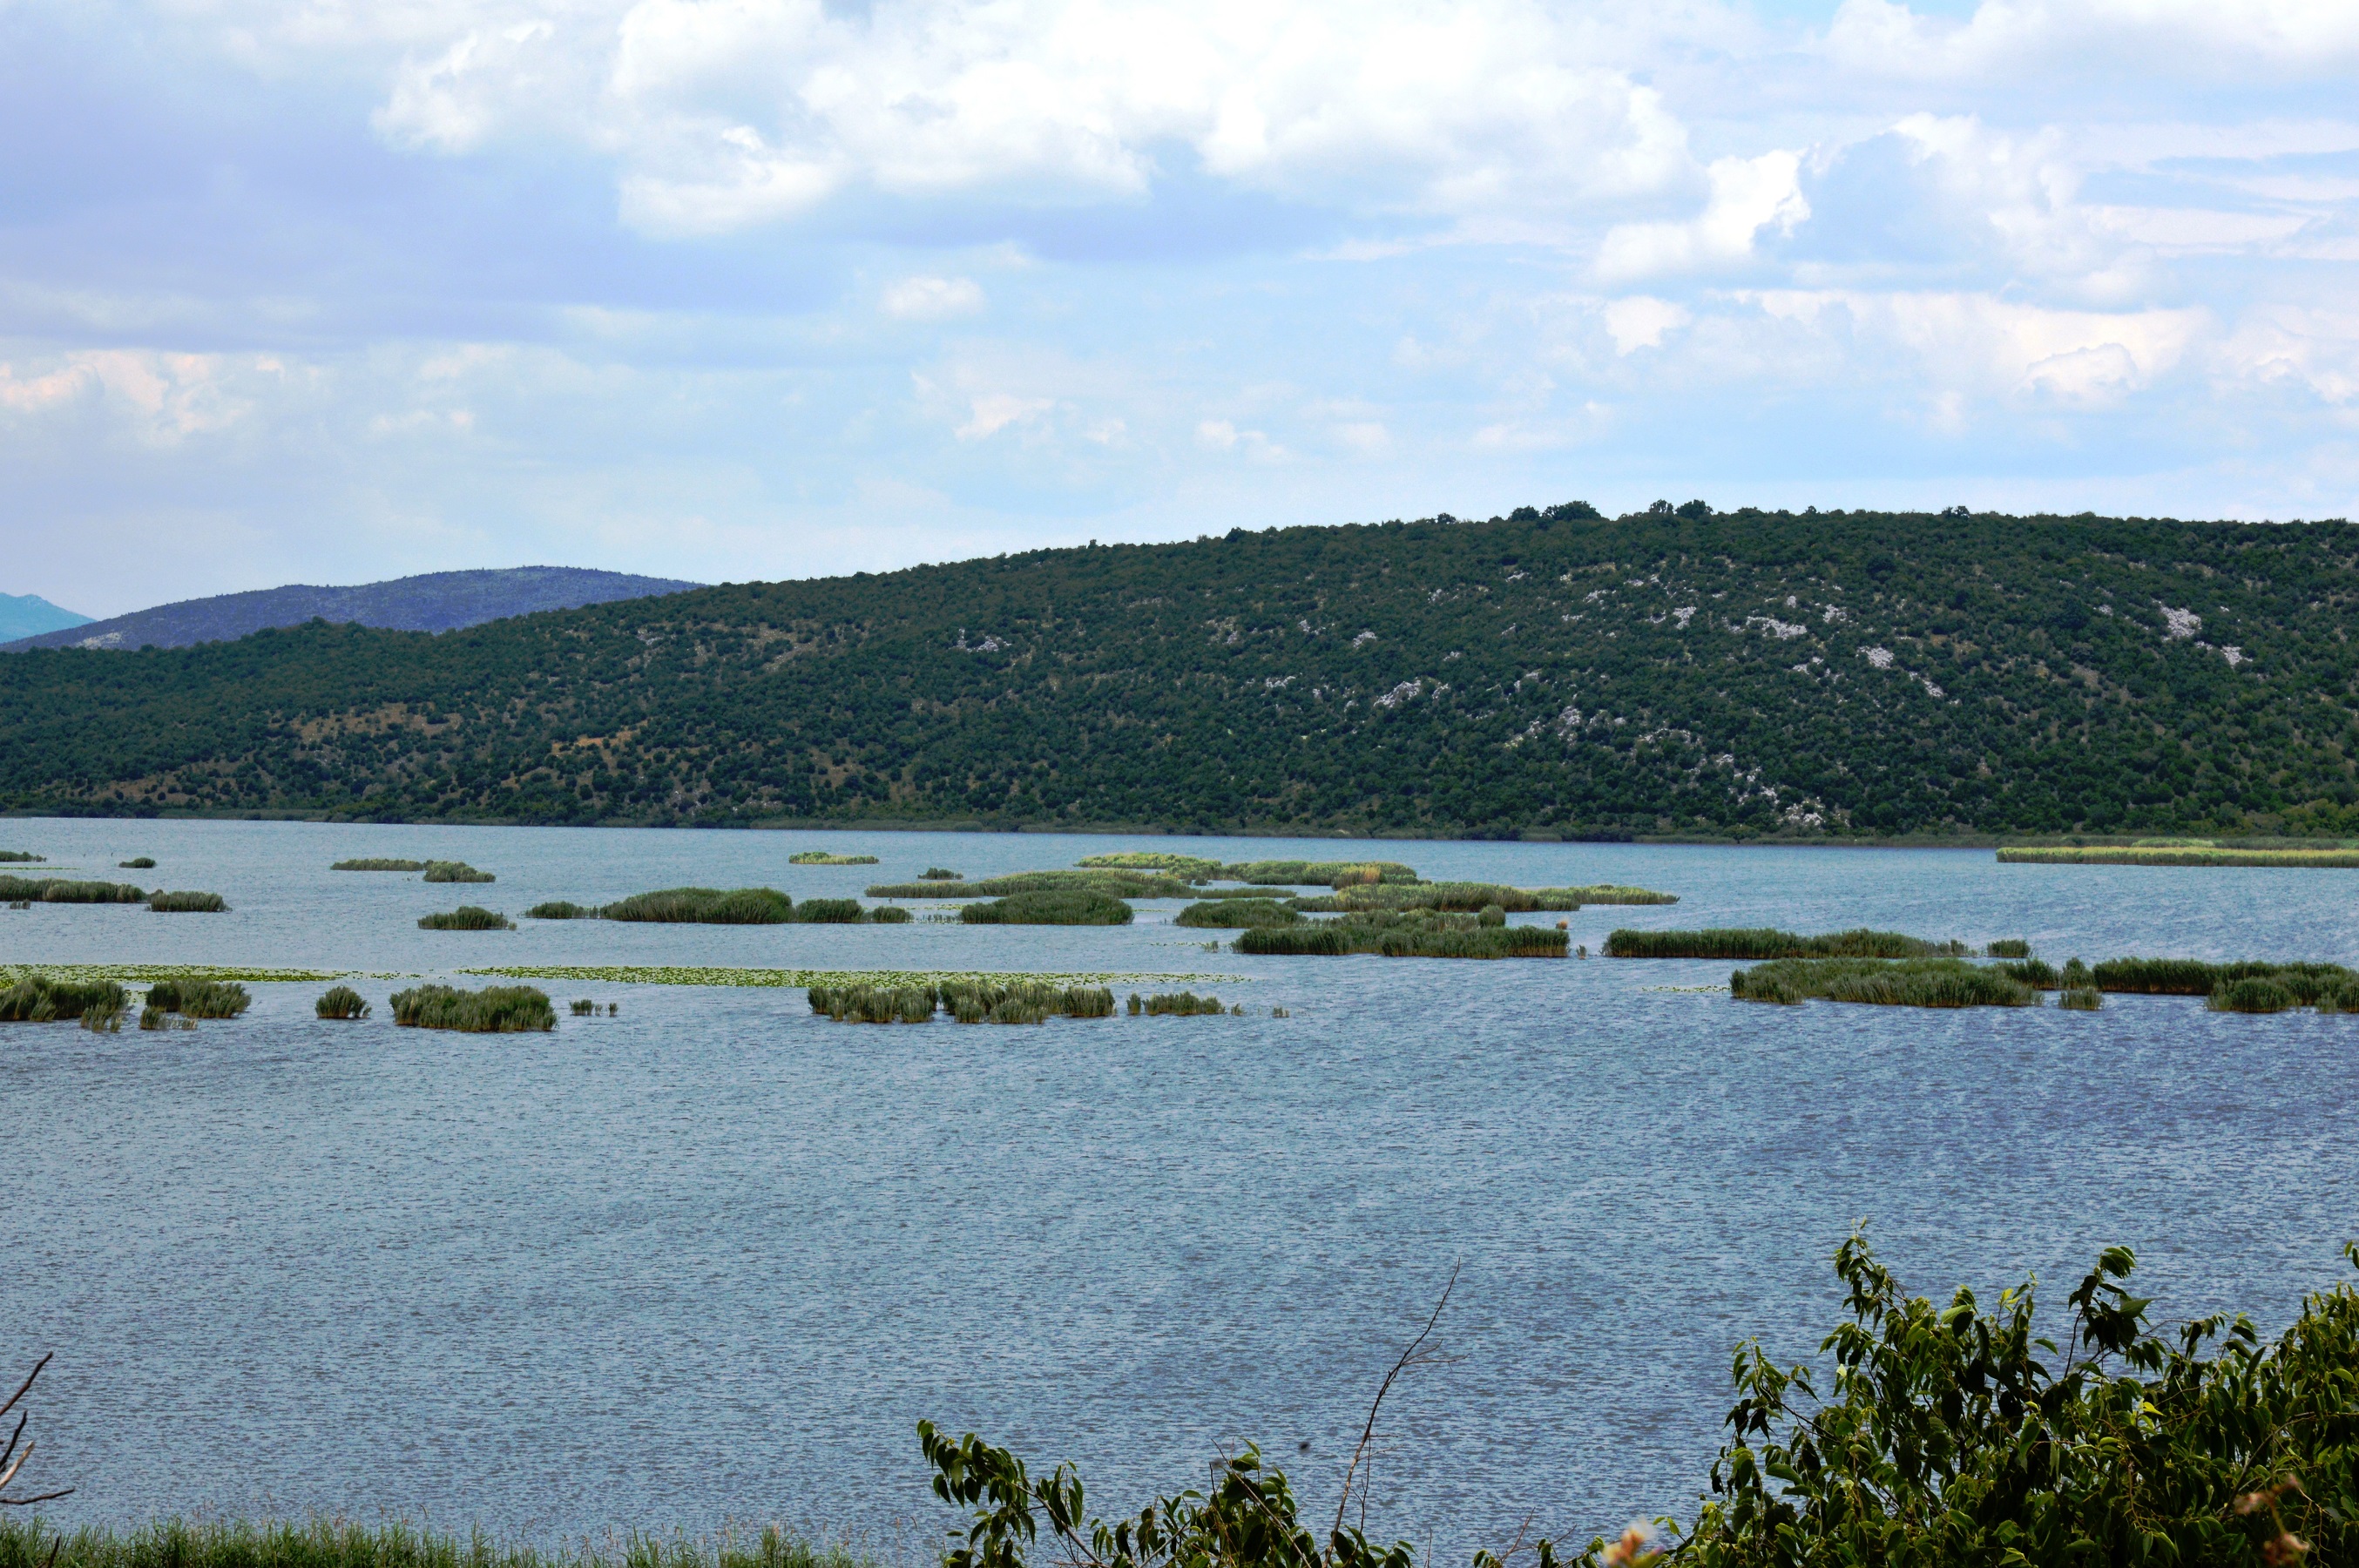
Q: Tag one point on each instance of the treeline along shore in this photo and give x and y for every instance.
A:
(1691, 673)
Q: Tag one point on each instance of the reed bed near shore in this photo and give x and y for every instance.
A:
(42, 998)
(454, 871)
(1230, 914)
(1764, 943)
(201, 999)
(326, 1543)
(1902, 982)
(561, 909)
(1193, 868)
(378, 864)
(341, 1002)
(1050, 908)
(1411, 934)
(2159, 854)
(63, 890)
(495, 1010)
(466, 917)
(165, 903)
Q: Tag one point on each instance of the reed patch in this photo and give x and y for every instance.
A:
(64, 891)
(495, 1010)
(1229, 914)
(1749, 942)
(199, 999)
(1891, 983)
(378, 864)
(341, 1002)
(43, 998)
(454, 871)
(1071, 907)
(823, 857)
(188, 903)
(466, 917)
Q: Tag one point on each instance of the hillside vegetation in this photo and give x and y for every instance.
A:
(1749, 673)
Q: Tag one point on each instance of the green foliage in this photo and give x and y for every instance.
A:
(454, 871)
(1177, 1004)
(1314, 872)
(138, 862)
(378, 865)
(561, 909)
(56, 890)
(1194, 867)
(2012, 947)
(40, 998)
(2251, 995)
(821, 858)
(1761, 941)
(466, 917)
(1892, 982)
(1015, 1000)
(1414, 933)
(1050, 908)
(213, 1542)
(344, 1002)
(188, 903)
(1223, 914)
(20, 855)
(2126, 854)
(201, 999)
(495, 1010)
(705, 906)
(2037, 974)
(1465, 896)
(2156, 976)
(873, 1004)
(1112, 883)
(829, 913)
(888, 915)
(940, 874)
(154, 1018)
(2082, 999)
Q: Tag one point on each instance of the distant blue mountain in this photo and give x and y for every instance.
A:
(27, 615)
(435, 602)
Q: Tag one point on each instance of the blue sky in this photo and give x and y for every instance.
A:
(737, 288)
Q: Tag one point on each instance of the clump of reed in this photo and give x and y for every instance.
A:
(2082, 999)
(704, 905)
(561, 909)
(2035, 973)
(454, 871)
(495, 1010)
(2250, 995)
(2150, 855)
(888, 915)
(466, 917)
(137, 862)
(1226, 914)
(188, 903)
(1194, 867)
(1612, 893)
(1072, 908)
(59, 890)
(1175, 1004)
(102, 1020)
(38, 998)
(584, 1007)
(943, 874)
(828, 912)
(1315, 872)
(2158, 976)
(967, 1001)
(2009, 947)
(214, 1541)
(1891, 983)
(378, 865)
(199, 999)
(341, 1002)
(20, 856)
(152, 1019)
(1453, 896)
(1114, 884)
(821, 858)
(1764, 943)
(1416, 933)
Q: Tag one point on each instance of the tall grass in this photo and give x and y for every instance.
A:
(342, 1001)
(378, 865)
(1416, 934)
(467, 917)
(188, 903)
(2151, 854)
(2251, 995)
(1013, 1001)
(1612, 893)
(561, 909)
(1315, 872)
(20, 856)
(322, 1542)
(137, 862)
(1224, 914)
(454, 871)
(2011, 947)
(1904, 983)
(828, 912)
(705, 906)
(940, 874)
(2082, 999)
(199, 999)
(1194, 867)
(1763, 942)
(2158, 976)
(1175, 1004)
(821, 858)
(495, 1010)
(1454, 896)
(59, 890)
(38, 999)
(1050, 908)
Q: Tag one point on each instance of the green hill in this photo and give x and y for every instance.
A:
(1750, 672)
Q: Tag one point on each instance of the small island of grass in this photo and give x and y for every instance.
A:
(466, 917)
(823, 857)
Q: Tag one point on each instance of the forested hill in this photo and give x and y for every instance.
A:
(1768, 673)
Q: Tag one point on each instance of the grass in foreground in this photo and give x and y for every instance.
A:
(1763, 942)
(2152, 855)
(339, 1543)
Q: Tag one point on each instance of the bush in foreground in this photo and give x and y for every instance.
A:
(495, 1010)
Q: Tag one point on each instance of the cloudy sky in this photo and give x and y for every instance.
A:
(326, 290)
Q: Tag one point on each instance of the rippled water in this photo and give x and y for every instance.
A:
(711, 1260)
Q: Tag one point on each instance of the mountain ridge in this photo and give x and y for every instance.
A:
(29, 615)
(1809, 676)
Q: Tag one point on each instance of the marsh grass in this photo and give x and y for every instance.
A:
(943, 874)
(325, 1542)
(561, 909)
(1316, 872)
(2251, 995)
(342, 1001)
(137, 862)
(1763, 942)
(1073, 908)
(1227, 914)
(888, 915)
(188, 903)
(584, 1007)
(2082, 999)
(466, 917)
(59, 890)
(201, 999)
(454, 871)
(21, 856)
(2011, 947)
(2156, 855)
(1891, 983)
(1193, 868)
(495, 1010)
(821, 858)
(704, 905)
(152, 1018)
(2032, 971)
(828, 912)
(637, 974)
(1418, 934)
(1176, 1004)
(40, 998)
(378, 865)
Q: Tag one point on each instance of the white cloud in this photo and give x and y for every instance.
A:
(2199, 40)
(932, 299)
(995, 411)
(1639, 320)
(1747, 196)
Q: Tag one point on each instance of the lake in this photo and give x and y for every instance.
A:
(709, 1260)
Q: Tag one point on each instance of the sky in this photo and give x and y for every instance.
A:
(315, 290)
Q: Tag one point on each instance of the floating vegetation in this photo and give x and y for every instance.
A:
(41, 997)
(1314, 872)
(188, 903)
(2082, 999)
(58, 890)
(942, 874)
(199, 999)
(821, 858)
(1761, 943)
(1113, 884)
(495, 1010)
(467, 917)
(137, 862)
(1175, 1004)
(20, 856)
(704, 905)
(1902, 982)
(152, 1019)
(2012, 947)
(1194, 867)
(342, 1001)
(1223, 914)
(561, 909)
(1418, 934)
(454, 871)
(2154, 855)
(149, 971)
(379, 865)
(1074, 907)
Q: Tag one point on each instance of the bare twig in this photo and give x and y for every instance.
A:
(27, 1383)
(1408, 1357)
(9, 1472)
